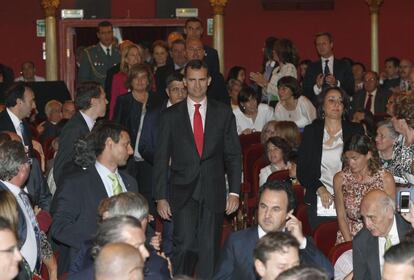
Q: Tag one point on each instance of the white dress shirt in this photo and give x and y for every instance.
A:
(202, 109)
(302, 115)
(16, 123)
(103, 173)
(330, 59)
(89, 121)
(264, 114)
(104, 48)
(36, 79)
(395, 239)
(29, 249)
(287, 69)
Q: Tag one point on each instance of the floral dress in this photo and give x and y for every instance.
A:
(353, 192)
(402, 158)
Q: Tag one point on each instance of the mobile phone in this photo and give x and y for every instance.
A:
(405, 201)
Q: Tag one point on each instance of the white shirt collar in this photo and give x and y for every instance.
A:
(13, 188)
(331, 58)
(191, 102)
(106, 47)
(15, 120)
(260, 231)
(89, 121)
(169, 104)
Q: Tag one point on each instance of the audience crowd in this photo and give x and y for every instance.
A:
(162, 168)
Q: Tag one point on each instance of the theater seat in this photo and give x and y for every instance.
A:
(302, 215)
(325, 236)
(246, 140)
(338, 250)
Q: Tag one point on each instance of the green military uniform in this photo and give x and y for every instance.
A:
(94, 63)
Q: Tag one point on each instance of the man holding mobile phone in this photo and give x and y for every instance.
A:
(275, 214)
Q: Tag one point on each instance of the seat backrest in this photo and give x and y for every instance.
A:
(257, 165)
(325, 236)
(299, 194)
(246, 140)
(302, 215)
(338, 250)
(281, 175)
(253, 153)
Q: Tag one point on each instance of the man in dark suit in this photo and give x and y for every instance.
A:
(91, 103)
(19, 101)
(193, 29)
(275, 208)
(199, 144)
(96, 60)
(50, 128)
(328, 71)
(371, 98)
(74, 207)
(383, 229)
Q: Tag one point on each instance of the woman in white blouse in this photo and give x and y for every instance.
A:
(277, 152)
(292, 105)
(251, 116)
(285, 54)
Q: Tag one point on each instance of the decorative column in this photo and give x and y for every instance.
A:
(374, 6)
(50, 7)
(218, 35)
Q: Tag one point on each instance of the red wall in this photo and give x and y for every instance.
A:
(246, 27)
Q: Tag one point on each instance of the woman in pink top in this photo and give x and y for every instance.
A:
(131, 55)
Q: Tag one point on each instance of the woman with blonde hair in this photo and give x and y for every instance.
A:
(131, 54)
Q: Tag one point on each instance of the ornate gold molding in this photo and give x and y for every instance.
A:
(50, 7)
(374, 5)
(218, 6)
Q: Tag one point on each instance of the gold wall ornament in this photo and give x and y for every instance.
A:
(218, 6)
(50, 7)
(374, 5)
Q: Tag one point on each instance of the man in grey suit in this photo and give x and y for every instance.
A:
(97, 59)
(383, 229)
(371, 98)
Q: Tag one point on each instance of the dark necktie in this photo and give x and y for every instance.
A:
(198, 129)
(326, 68)
(369, 102)
(108, 52)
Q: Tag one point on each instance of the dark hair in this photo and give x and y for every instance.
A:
(174, 76)
(268, 49)
(110, 231)
(177, 42)
(327, 34)
(196, 64)
(14, 92)
(293, 156)
(404, 108)
(362, 144)
(303, 272)
(5, 225)
(7, 73)
(321, 100)
(394, 60)
(306, 62)
(137, 69)
(159, 43)
(246, 93)
(291, 83)
(192, 19)
(85, 92)
(286, 51)
(12, 156)
(91, 146)
(104, 23)
(277, 241)
(234, 72)
(280, 186)
(280, 143)
(401, 253)
(360, 64)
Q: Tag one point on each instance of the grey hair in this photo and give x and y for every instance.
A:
(130, 204)
(111, 231)
(49, 104)
(12, 156)
(386, 202)
(388, 124)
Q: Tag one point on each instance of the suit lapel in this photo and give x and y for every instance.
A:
(209, 126)
(97, 183)
(373, 258)
(187, 125)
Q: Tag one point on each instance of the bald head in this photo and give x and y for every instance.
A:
(377, 210)
(194, 49)
(405, 68)
(119, 261)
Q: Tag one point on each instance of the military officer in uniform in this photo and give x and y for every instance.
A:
(97, 59)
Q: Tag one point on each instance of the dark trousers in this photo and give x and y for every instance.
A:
(197, 232)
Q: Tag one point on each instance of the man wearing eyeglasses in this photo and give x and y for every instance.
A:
(14, 171)
(9, 252)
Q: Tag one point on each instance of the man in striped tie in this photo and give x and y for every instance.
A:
(75, 205)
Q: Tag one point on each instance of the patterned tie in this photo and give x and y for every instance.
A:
(116, 186)
(23, 132)
(388, 243)
(326, 69)
(369, 102)
(29, 210)
(198, 130)
(108, 52)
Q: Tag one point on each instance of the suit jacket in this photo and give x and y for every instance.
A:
(128, 113)
(75, 211)
(380, 101)
(161, 75)
(94, 63)
(365, 251)
(38, 188)
(50, 130)
(221, 152)
(310, 155)
(217, 88)
(6, 124)
(74, 129)
(212, 59)
(236, 260)
(342, 72)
